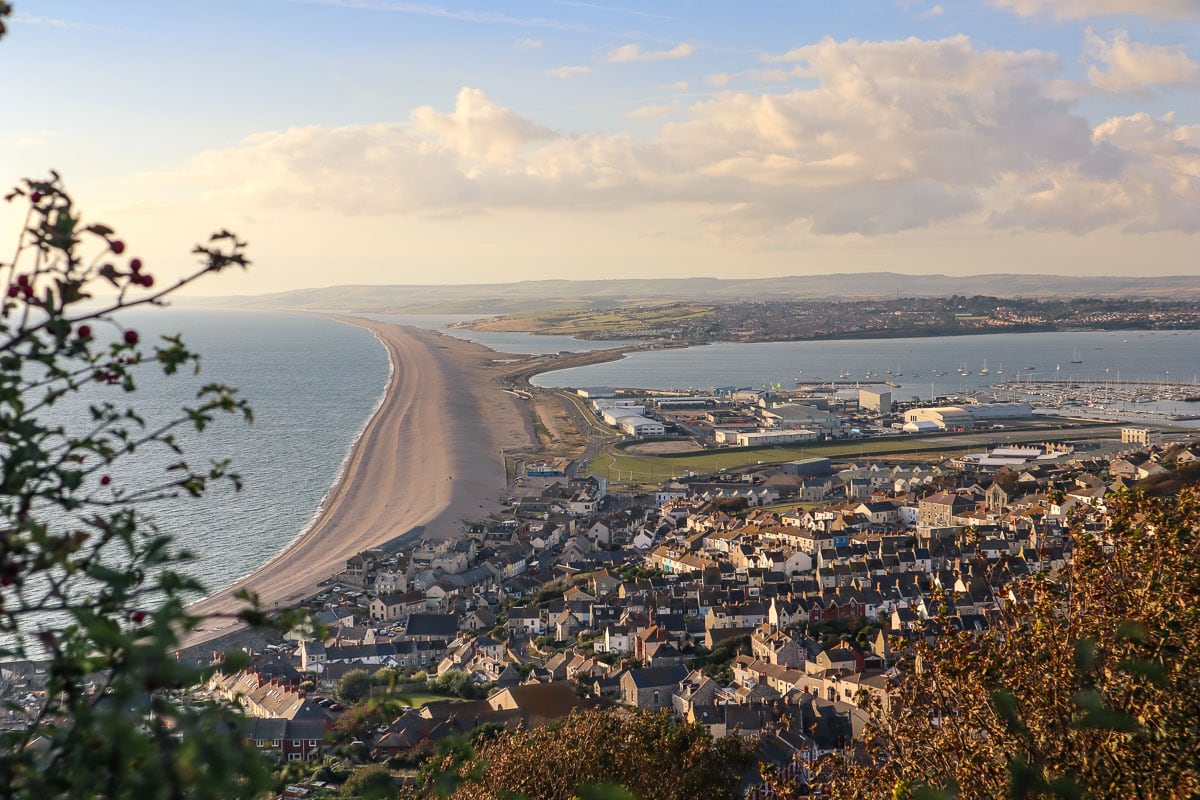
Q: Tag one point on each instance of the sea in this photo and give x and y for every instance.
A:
(917, 368)
(313, 383)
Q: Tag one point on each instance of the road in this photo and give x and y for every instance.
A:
(587, 424)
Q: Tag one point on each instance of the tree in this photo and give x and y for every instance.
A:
(386, 676)
(457, 683)
(86, 581)
(359, 722)
(355, 686)
(653, 756)
(1088, 685)
(370, 782)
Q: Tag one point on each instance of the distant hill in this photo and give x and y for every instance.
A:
(505, 298)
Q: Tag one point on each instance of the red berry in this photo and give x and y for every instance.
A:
(138, 617)
(135, 264)
(13, 291)
(105, 480)
(27, 291)
(35, 196)
(117, 246)
(131, 337)
(22, 280)
(85, 331)
(147, 281)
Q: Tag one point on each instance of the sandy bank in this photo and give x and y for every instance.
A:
(430, 457)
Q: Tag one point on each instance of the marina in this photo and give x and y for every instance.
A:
(1106, 399)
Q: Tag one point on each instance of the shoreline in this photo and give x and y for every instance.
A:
(432, 448)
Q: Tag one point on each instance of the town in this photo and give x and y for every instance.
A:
(776, 602)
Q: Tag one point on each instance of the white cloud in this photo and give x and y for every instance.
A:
(719, 79)
(567, 72)
(891, 136)
(1144, 177)
(29, 139)
(597, 7)
(478, 128)
(677, 86)
(634, 52)
(653, 112)
(25, 18)
(1082, 9)
(1133, 66)
(528, 44)
(442, 12)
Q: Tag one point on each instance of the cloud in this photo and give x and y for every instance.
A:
(441, 12)
(889, 136)
(568, 72)
(528, 44)
(1148, 181)
(25, 18)
(634, 52)
(614, 9)
(478, 128)
(1133, 66)
(677, 86)
(1082, 9)
(722, 79)
(30, 139)
(653, 112)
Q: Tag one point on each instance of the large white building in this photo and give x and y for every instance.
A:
(802, 417)
(1143, 436)
(636, 425)
(945, 417)
(875, 401)
(756, 438)
(629, 416)
(980, 411)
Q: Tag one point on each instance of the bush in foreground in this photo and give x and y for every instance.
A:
(87, 582)
(652, 756)
(1088, 686)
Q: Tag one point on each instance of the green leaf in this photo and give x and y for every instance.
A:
(1085, 655)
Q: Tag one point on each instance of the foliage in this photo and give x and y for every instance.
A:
(1087, 685)
(359, 721)
(355, 686)
(371, 781)
(653, 756)
(87, 580)
(456, 683)
(716, 664)
(386, 676)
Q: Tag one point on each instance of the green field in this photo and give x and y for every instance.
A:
(593, 323)
(419, 699)
(619, 467)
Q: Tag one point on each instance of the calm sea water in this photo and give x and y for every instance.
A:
(914, 364)
(312, 384)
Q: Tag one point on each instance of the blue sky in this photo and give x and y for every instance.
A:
(372, 141)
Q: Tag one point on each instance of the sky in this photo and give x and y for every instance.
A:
(388, 142)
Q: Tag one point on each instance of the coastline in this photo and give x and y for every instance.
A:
(432, 449)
